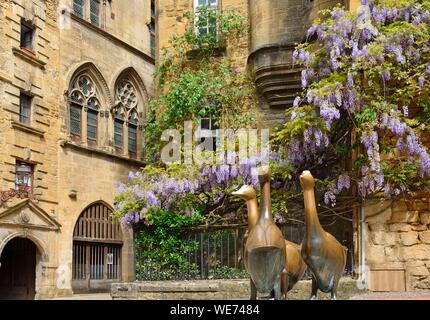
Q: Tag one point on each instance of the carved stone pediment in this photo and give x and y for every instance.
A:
(26, 213)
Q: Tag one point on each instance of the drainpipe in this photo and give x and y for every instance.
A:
(362, 245)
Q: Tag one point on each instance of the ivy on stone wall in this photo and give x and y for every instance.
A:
(198, 77)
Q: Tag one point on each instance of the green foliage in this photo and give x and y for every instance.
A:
(365, 80)
(160, 248)
(197, 78)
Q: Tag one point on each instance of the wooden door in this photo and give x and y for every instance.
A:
(97, 243)
(18, 270)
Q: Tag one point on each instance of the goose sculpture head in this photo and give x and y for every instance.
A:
(246, 192)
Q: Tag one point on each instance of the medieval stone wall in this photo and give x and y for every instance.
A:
(397, 237)
(65, 45)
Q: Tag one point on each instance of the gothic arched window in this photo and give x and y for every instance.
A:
(83, 96)
(126, 121)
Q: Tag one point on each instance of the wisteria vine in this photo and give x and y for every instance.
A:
(183, 189)
(365, 78)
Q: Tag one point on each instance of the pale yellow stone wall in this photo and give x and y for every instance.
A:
(125, 19)
(397, 236)
(63, 43)
(170, 22)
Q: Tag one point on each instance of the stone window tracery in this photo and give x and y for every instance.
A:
(83, 96)
(126, 117)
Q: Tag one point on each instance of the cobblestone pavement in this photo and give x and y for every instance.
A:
(91, 296)
(368, 296)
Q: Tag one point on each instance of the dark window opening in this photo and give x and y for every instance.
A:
(208, 124)
(151, 27)
(24, 108)
(152, 9)
(27, 35)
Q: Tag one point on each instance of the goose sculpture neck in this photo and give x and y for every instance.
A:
(252, 206)
(313, 226)
(265, 203)
(312, 222)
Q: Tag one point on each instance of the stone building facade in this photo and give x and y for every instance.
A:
(75, 76)
(391, 248)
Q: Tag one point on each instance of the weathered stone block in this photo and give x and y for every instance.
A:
(419, 227)
(405, 216)
(425, 218)
(425, 237)
(379, 212)
(420, 252)
(409, 238)
(375, 254)
(400, 227)
(392, 253)
(418, 271)
(383, 238)
(414, 263)
(378, 227)
(422, 283)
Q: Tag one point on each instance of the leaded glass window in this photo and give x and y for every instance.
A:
(126, 104)
(78, 8)
(132, 132)
(75, 119)
(119, 128)
(92, 124)
(84, 95)
(95, 12)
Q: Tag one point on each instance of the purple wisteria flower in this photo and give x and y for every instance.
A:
(421, 82)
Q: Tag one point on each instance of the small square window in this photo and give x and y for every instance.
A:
(205, 123)
(24, 108)
(27, 35)
(24, 177)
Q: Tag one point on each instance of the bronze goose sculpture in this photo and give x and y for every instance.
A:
(295, 266)
(265, 253)
(324, 255)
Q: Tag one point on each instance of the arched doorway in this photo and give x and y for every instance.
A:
(18, 270)
(97, 243)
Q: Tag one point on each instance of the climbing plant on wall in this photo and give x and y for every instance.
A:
(362, 120)
(197, 78)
